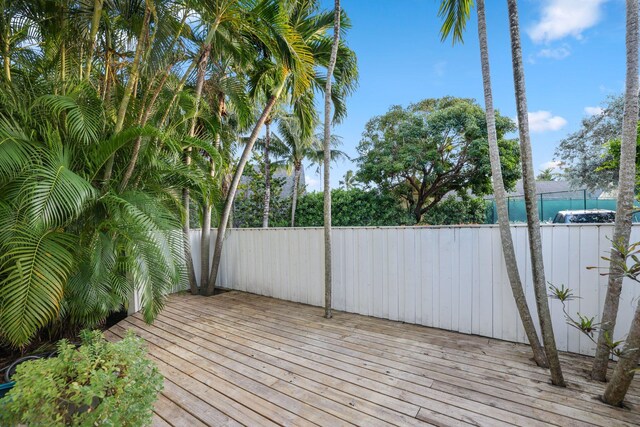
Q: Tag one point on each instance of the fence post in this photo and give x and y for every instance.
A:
(541, 208)
(584, 198)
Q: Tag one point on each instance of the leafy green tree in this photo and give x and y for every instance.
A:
(610, 162)
(585, 155)
(432, 148)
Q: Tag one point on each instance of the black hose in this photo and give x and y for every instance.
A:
(11, 369)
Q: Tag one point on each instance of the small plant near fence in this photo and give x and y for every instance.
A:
(586, 324)
(98, 383)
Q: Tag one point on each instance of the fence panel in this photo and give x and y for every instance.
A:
(452, 278)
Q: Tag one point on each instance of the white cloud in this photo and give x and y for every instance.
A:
(551, 164)
(555, 53)
(312, 183)
(562, 18)
(593, 111)
(543, 121)
(439, 68)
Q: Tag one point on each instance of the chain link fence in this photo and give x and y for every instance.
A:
(549, 204)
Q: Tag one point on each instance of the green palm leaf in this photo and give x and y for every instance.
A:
(53, 193)
(34, 270)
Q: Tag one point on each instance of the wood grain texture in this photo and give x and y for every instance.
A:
(245, 359)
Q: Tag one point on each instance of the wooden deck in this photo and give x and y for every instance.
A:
(243, 359)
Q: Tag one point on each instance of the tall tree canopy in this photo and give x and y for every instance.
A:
(432, 148)
(585, 157)
(119, 118)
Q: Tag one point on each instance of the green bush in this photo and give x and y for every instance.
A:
(451, 211)
(100, 383)
(352, 208)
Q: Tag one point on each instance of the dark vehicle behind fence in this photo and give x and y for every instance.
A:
(598, 216)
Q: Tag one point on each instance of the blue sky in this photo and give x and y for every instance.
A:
(573, 50)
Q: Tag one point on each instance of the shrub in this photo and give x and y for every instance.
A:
(100, 383)
(352, 208)
(452, 211)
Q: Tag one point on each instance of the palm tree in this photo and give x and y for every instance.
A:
(349, 180)
(529, 184)
(327, 161)
(455, 14)
(625, 369)
(74, 248)
(290, 73)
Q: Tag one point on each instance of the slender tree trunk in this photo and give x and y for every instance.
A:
(95, 23)
(63, 65)
(327, 161)
(501, 198)
(246, 153)
(107, 68)
(529, 184)
(205, 241)
(622, 231)
(294, 193)
(126, 97)
(147, 109)
(267, 176)
(186, 199)
(624, 371)
(7, 61)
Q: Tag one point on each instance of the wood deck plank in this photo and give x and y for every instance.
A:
(243, 359)
(589, 410)
(546, 412)
(470, 348)
(440, 353)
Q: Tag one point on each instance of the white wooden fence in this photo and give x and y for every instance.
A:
(452, 278)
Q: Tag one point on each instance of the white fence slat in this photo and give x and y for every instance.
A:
(446, 277)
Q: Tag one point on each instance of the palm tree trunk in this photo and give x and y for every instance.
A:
(327, 160)
(222, 227)
(126, 97)
(267, 177)
(529, 184)
(626, 189)
(95, 23)
(63, 66)
(7, 61)
(500, 196)
(186, 199)
(147, 109)
(625, 369)
(294, 193)
(205, 240)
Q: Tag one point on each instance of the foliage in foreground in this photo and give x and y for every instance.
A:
(72, 247)
(100, 383)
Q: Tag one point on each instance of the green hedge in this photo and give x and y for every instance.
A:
(351, 208)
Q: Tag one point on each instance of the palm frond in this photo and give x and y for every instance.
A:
(35, 267)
